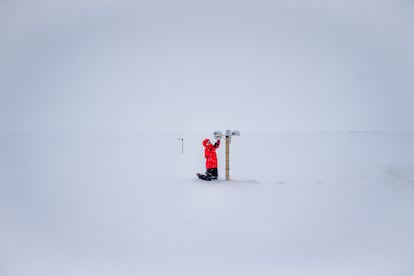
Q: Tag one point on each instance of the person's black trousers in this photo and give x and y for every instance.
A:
(211, 174)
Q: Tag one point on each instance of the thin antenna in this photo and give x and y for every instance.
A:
(182, 144)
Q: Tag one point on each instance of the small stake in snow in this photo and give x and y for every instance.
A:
(182, 144)
(229, 134)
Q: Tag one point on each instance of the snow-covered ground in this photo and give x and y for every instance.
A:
(324, 204)
(94, 96)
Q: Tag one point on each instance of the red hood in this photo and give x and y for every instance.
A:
(205, 141)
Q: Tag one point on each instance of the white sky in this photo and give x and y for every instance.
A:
(253, 65)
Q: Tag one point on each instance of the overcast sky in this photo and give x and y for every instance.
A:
(115, 66)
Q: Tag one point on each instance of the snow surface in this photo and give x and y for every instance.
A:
(94, 96)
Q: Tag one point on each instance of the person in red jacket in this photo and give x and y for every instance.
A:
(211, 160)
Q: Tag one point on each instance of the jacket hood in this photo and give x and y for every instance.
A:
(205, 141)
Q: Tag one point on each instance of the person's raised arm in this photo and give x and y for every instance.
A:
(217, 144)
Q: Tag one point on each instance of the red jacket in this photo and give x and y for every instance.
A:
(210, 153)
